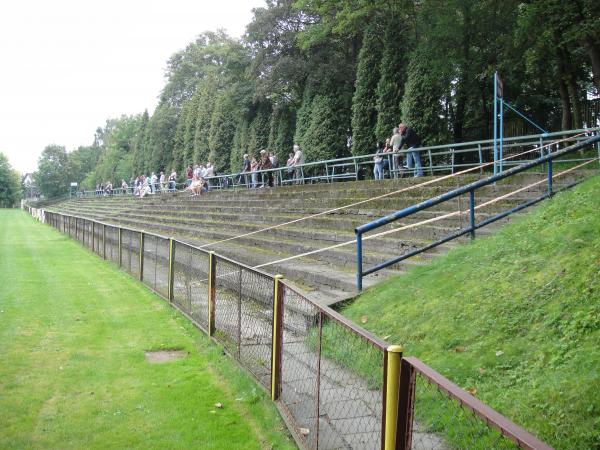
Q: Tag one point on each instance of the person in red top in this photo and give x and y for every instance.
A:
(189, 175)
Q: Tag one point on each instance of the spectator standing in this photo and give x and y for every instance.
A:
(378, 160)
(254, 170)
(395, 141)
(298, 161)
(161, 181)
(124, 186)
(245, 169)
(265, 164)
(153, 181)
(172, 181)
(411, 140)
(290, 167)
(189, 175)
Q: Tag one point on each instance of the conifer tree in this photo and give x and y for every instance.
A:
(364, 102)
(421, 106)
(206, 103)
(189, 133)
(178, 139)
(281, 134)
(325, 137)
(391, 84)
(222, 129)
(258, 133)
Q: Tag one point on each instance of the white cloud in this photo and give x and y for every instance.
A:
(69, 65)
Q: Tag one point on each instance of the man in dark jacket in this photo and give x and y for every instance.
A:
(410, 138)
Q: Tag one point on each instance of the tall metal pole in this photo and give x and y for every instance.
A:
(501, 132)
(495, 121)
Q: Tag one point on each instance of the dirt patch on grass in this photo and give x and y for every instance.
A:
(163, 356)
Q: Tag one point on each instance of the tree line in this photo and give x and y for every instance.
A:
(315, 72)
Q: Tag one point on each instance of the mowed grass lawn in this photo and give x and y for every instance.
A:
(73, 331)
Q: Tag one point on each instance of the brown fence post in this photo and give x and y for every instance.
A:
(141, 256)
(104, 241)
(405, 406)
(212, 277)
(277, 337)
(93, 236)
(394, 356)
(171, 270)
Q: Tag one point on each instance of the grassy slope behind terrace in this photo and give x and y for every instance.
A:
(515, 315)
(73, 331)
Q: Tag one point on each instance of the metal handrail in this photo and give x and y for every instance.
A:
(470, 189)
(326, 170)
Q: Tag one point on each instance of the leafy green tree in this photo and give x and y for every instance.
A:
(364, 102)
(10, 186)
(52, 177)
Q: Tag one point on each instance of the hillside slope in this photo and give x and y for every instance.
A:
(515, 315)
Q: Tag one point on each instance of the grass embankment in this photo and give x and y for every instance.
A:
(74, 330)
(515, 316)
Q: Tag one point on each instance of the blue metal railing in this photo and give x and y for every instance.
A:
(470, 189)
(437, 160)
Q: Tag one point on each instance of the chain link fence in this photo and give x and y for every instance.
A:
(336, 385)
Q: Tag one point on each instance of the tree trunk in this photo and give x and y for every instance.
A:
(593, 51)
(566, 105)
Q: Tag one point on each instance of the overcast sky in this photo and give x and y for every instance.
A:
(67, 66)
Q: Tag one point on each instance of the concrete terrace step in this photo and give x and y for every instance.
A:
(329, 275)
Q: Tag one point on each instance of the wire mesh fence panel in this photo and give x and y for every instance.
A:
(161, 276)
(199, 287)
(441, 422)
(255, 316)
(299, 365)
(350, 389)
(112, 243)
(135, 254)
(98, 239)
(227, 305)
(182, 276)
(126, 257)
(149, 260)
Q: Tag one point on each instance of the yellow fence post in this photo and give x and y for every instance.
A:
(171, 269)
(277, 337)
(141, 256)
(212, 291)
(392, 389)
(120, 246)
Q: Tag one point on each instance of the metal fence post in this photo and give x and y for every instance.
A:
(359, 261)
(120, 246)
(549, 178)
(277, 337)
(171, 269)
(212, 277)
(406, 403)
(392, 389)
(141, 256)
(472, 213)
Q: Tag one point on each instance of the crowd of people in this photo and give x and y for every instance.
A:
(267, 161)
(197, 181)
(401, 135)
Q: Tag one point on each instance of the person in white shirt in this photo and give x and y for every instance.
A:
(298, 161)
(161, 181)
(153, 181)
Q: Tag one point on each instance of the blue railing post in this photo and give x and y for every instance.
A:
(550, 178)
(472, 212)
(359, 265)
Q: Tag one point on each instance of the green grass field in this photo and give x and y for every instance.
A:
(73, 331)
(515, 316)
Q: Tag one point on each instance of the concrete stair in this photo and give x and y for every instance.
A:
(329, 275)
